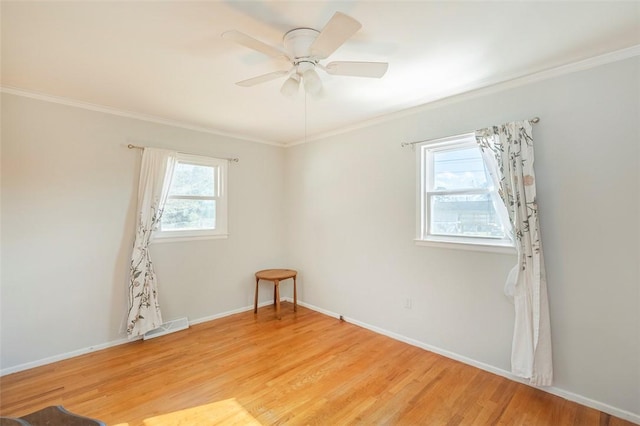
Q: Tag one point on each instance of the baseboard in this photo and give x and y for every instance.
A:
(582, 400)
(117, 342)
(227, 313)
(66, 355)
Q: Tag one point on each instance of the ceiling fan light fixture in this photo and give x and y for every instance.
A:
(290, 86)
(312, 82)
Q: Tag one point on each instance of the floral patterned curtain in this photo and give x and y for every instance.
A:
(508, 153)
(155, 177)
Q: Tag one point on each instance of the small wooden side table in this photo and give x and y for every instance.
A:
(275, 276)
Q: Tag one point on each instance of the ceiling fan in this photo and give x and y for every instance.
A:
(304, 48)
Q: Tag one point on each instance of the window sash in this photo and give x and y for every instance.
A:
(428, 152)
(219, 170)
(193, 197)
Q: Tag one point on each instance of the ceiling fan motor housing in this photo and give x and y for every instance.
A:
(297, 44)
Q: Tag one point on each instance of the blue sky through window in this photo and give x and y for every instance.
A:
(459, 169)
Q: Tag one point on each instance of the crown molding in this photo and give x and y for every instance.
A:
(127, 114)
(482, 88)
(468, 92)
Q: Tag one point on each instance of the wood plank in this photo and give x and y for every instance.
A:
(307, 368)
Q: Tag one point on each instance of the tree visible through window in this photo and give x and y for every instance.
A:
(196, 204)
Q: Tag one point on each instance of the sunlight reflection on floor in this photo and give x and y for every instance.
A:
(226, 412)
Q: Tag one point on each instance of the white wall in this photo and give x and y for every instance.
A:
(69, 188)
(351, 199)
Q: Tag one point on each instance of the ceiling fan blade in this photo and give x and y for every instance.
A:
(338, 30)
(252, 43)
(262, 78)
(357, 69)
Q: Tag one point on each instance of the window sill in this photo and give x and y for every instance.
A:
(488, 248)
(178, 239)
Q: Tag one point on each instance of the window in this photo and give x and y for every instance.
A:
(196, 206)
(456, 206)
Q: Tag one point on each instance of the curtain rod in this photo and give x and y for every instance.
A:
(234, 159)
(534, 120)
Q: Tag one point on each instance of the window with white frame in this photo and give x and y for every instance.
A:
(457, 197)
(196, 206)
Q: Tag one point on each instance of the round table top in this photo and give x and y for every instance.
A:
(276, 274)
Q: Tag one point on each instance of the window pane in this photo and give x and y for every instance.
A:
(465, 216)
(192, 179)
(189, 214)
(458, 169)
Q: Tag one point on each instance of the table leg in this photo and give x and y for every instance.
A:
(295, 295)
(277, 290)
(255, 303)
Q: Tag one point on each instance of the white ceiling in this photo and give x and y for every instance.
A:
(166, 59)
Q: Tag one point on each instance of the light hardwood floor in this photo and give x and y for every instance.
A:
(307, 368)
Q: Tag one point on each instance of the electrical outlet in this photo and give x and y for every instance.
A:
(407, 303)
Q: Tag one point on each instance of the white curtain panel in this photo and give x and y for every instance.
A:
(155, 177)
(508, 153)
